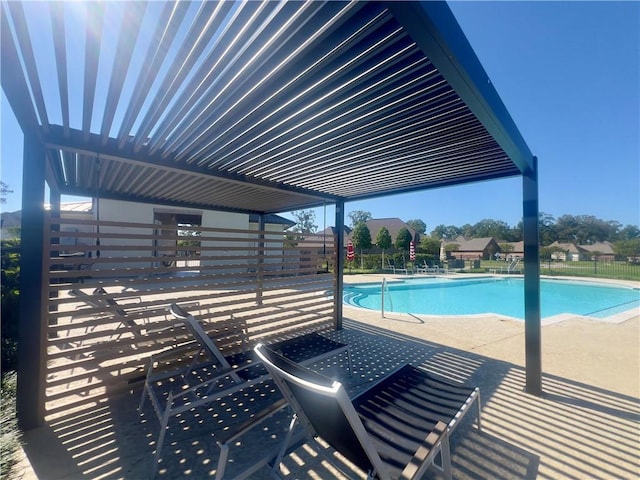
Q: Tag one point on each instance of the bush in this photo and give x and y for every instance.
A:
(10, 303)
(10, 438)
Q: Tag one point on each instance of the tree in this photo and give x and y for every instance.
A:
(466, 230)
(305, 221)
(403, 239)
(451, 247)
(491, 228)
(418, 225)
(629, 232)
(627, 248)
(584, 229)
(4, 190)
(383, 240)
(547, 252)
(361, 238)
(359, 216)
(547, 228)
(443, 232)
(507, 248)
(430, 245)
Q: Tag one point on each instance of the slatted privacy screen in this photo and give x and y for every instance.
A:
(110, 285)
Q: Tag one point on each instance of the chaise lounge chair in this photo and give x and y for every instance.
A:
(394, 268)
(107, 309)
(210, 375)
(394, 429)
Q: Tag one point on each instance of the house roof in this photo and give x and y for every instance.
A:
(605, 248)
(567, 247)
(333, 231)
(394, 225)
(518, 247)
(473, 244)
(259, 107)
(272, 219)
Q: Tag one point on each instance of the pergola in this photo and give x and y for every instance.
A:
(253, 107)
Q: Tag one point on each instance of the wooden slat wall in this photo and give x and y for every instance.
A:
(244, 285)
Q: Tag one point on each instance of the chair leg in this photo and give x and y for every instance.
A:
(222, 461)
(143, 397)
(445, 456)
(163, 430)
(479, 415)
(285, 445)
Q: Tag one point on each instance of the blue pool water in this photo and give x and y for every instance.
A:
(439, 296)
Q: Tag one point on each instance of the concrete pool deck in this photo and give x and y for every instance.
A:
(570, 343)
(586, 425)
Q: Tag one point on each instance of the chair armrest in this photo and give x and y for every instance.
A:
(426, 449)
(217, 375)
(252, 422)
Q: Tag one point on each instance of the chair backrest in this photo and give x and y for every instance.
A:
(199, 334)
(91, 300)
(110, 301)
(323, 407)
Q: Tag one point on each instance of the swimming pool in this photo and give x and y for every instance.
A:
(505, 296)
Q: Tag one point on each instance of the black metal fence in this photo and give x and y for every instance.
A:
(599, 269)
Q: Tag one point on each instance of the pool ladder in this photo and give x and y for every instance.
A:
(384, 288)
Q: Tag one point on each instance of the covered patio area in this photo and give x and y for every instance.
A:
(241, 108)
(581, 428)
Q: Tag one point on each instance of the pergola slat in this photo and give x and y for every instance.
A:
(14, 82)
(131, 26)
(95, 14)
(194, 42)
(60, 48)
(26, 49)
(165, 31)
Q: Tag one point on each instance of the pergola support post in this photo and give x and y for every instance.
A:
(32, 334)
(339, 263)
(532, 323)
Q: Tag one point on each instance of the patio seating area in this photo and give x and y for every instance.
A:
(353, 101)
(576, 430)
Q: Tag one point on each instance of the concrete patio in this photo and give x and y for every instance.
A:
(587, 424)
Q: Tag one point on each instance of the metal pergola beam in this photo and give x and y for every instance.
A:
(94, 146)
(435, 29)
(532, 321)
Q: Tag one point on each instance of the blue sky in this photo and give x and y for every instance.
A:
(569, 74)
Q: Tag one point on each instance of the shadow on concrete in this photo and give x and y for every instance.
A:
(573, 431)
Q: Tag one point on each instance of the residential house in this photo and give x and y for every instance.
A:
(601, 251)
(474, 249)
(567, 252)
(393, 225)
(517, 250)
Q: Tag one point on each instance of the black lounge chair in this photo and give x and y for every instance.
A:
(394, 429)
(222, 375)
